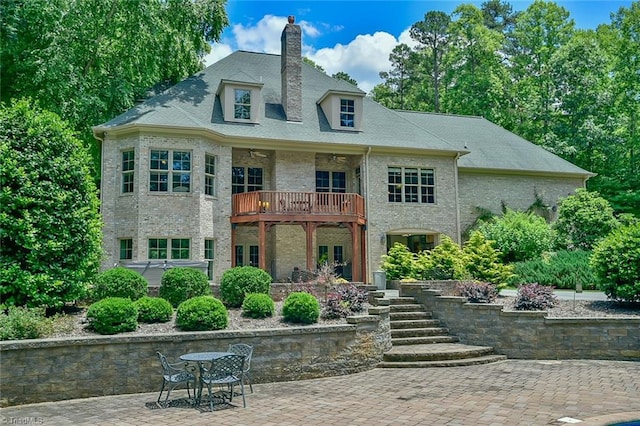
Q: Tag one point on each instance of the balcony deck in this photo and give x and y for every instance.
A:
(279, 206)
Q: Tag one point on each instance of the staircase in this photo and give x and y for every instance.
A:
(419, 341)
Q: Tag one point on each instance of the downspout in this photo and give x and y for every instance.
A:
(366, 204)
(455, 180)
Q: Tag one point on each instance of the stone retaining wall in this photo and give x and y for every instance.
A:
(57, 369)
(530, 334)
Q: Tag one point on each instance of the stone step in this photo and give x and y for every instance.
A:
(412, 323)
(402, 300)
(400, 316)
(419, 332)
(444, 363)
(435, 352)
(422, 340)
(412, 307)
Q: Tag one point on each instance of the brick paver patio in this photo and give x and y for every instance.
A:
(513, 392)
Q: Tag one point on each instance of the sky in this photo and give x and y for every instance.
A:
(357, 36)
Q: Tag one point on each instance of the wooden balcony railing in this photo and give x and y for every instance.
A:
(298, 203)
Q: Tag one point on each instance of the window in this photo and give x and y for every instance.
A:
(331, 181)
(411, 185)
(157, 248)
(347, 113)
(126, 249)
(180, 248)
(208, 255)
(242, 104)
(209, 175)
(254, 256)
(179, 174)
(323, 255)
(246, 179)
(128, 163)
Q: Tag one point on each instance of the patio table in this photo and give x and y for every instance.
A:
(200, 358)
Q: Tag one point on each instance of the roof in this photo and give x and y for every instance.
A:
(193, 104)
(490, 146)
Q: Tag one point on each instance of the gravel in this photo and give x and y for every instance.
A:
(75, 325)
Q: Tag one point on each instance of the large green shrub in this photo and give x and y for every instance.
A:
(616, 263)
(563, 269)
(583, 219)
(24, 323)
(242, 280)
(301, 307)
(119, 282)
(443, 262)
(180, 284)
(50, 238)
(398, 263)
(153, 309)
(482, 261)
(258, 305)
(113, 315)
(202, 313)
(519, 236)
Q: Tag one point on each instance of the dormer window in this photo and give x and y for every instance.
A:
(347, 113)
(240, 101)
(242, 104)
(343, 109)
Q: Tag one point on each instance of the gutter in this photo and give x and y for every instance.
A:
(366, 203)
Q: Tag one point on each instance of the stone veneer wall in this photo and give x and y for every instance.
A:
(530, 334)
(56, 369)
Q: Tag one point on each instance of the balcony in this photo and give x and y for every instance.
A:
(278, 206)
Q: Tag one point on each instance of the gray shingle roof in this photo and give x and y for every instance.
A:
(491, 146)
(193, 104)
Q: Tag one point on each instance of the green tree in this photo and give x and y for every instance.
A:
(475, 77)
(346, 77)
(538, 33)
(616, 263)
(482, 261)
(89, 61)
(398, 263)
(518, 235)
(432, 34)
(49, 223)
(498, 15)
(583, 219)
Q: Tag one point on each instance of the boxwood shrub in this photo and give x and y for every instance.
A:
(180, 284)
(202, 313)
(119, 282)
(153, 309)
(113, 315)
(301, 307)
(237, 282)
(258, 305)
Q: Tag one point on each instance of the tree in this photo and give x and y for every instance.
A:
(475, 77)
(538, 33)
(498, 15)
(313, 64)
(583, 219)
(89, 61)
(49, 223)
(340, 75)
(432, 34)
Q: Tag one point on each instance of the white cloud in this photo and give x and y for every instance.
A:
(218, 51)
(363, 58)
(265, 35)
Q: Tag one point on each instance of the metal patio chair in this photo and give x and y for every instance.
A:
(246, 351)
(224, 371)
(174, 375)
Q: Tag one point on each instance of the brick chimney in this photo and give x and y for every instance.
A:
(291, 70)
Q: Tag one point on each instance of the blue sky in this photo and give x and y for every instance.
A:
(356, 36)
